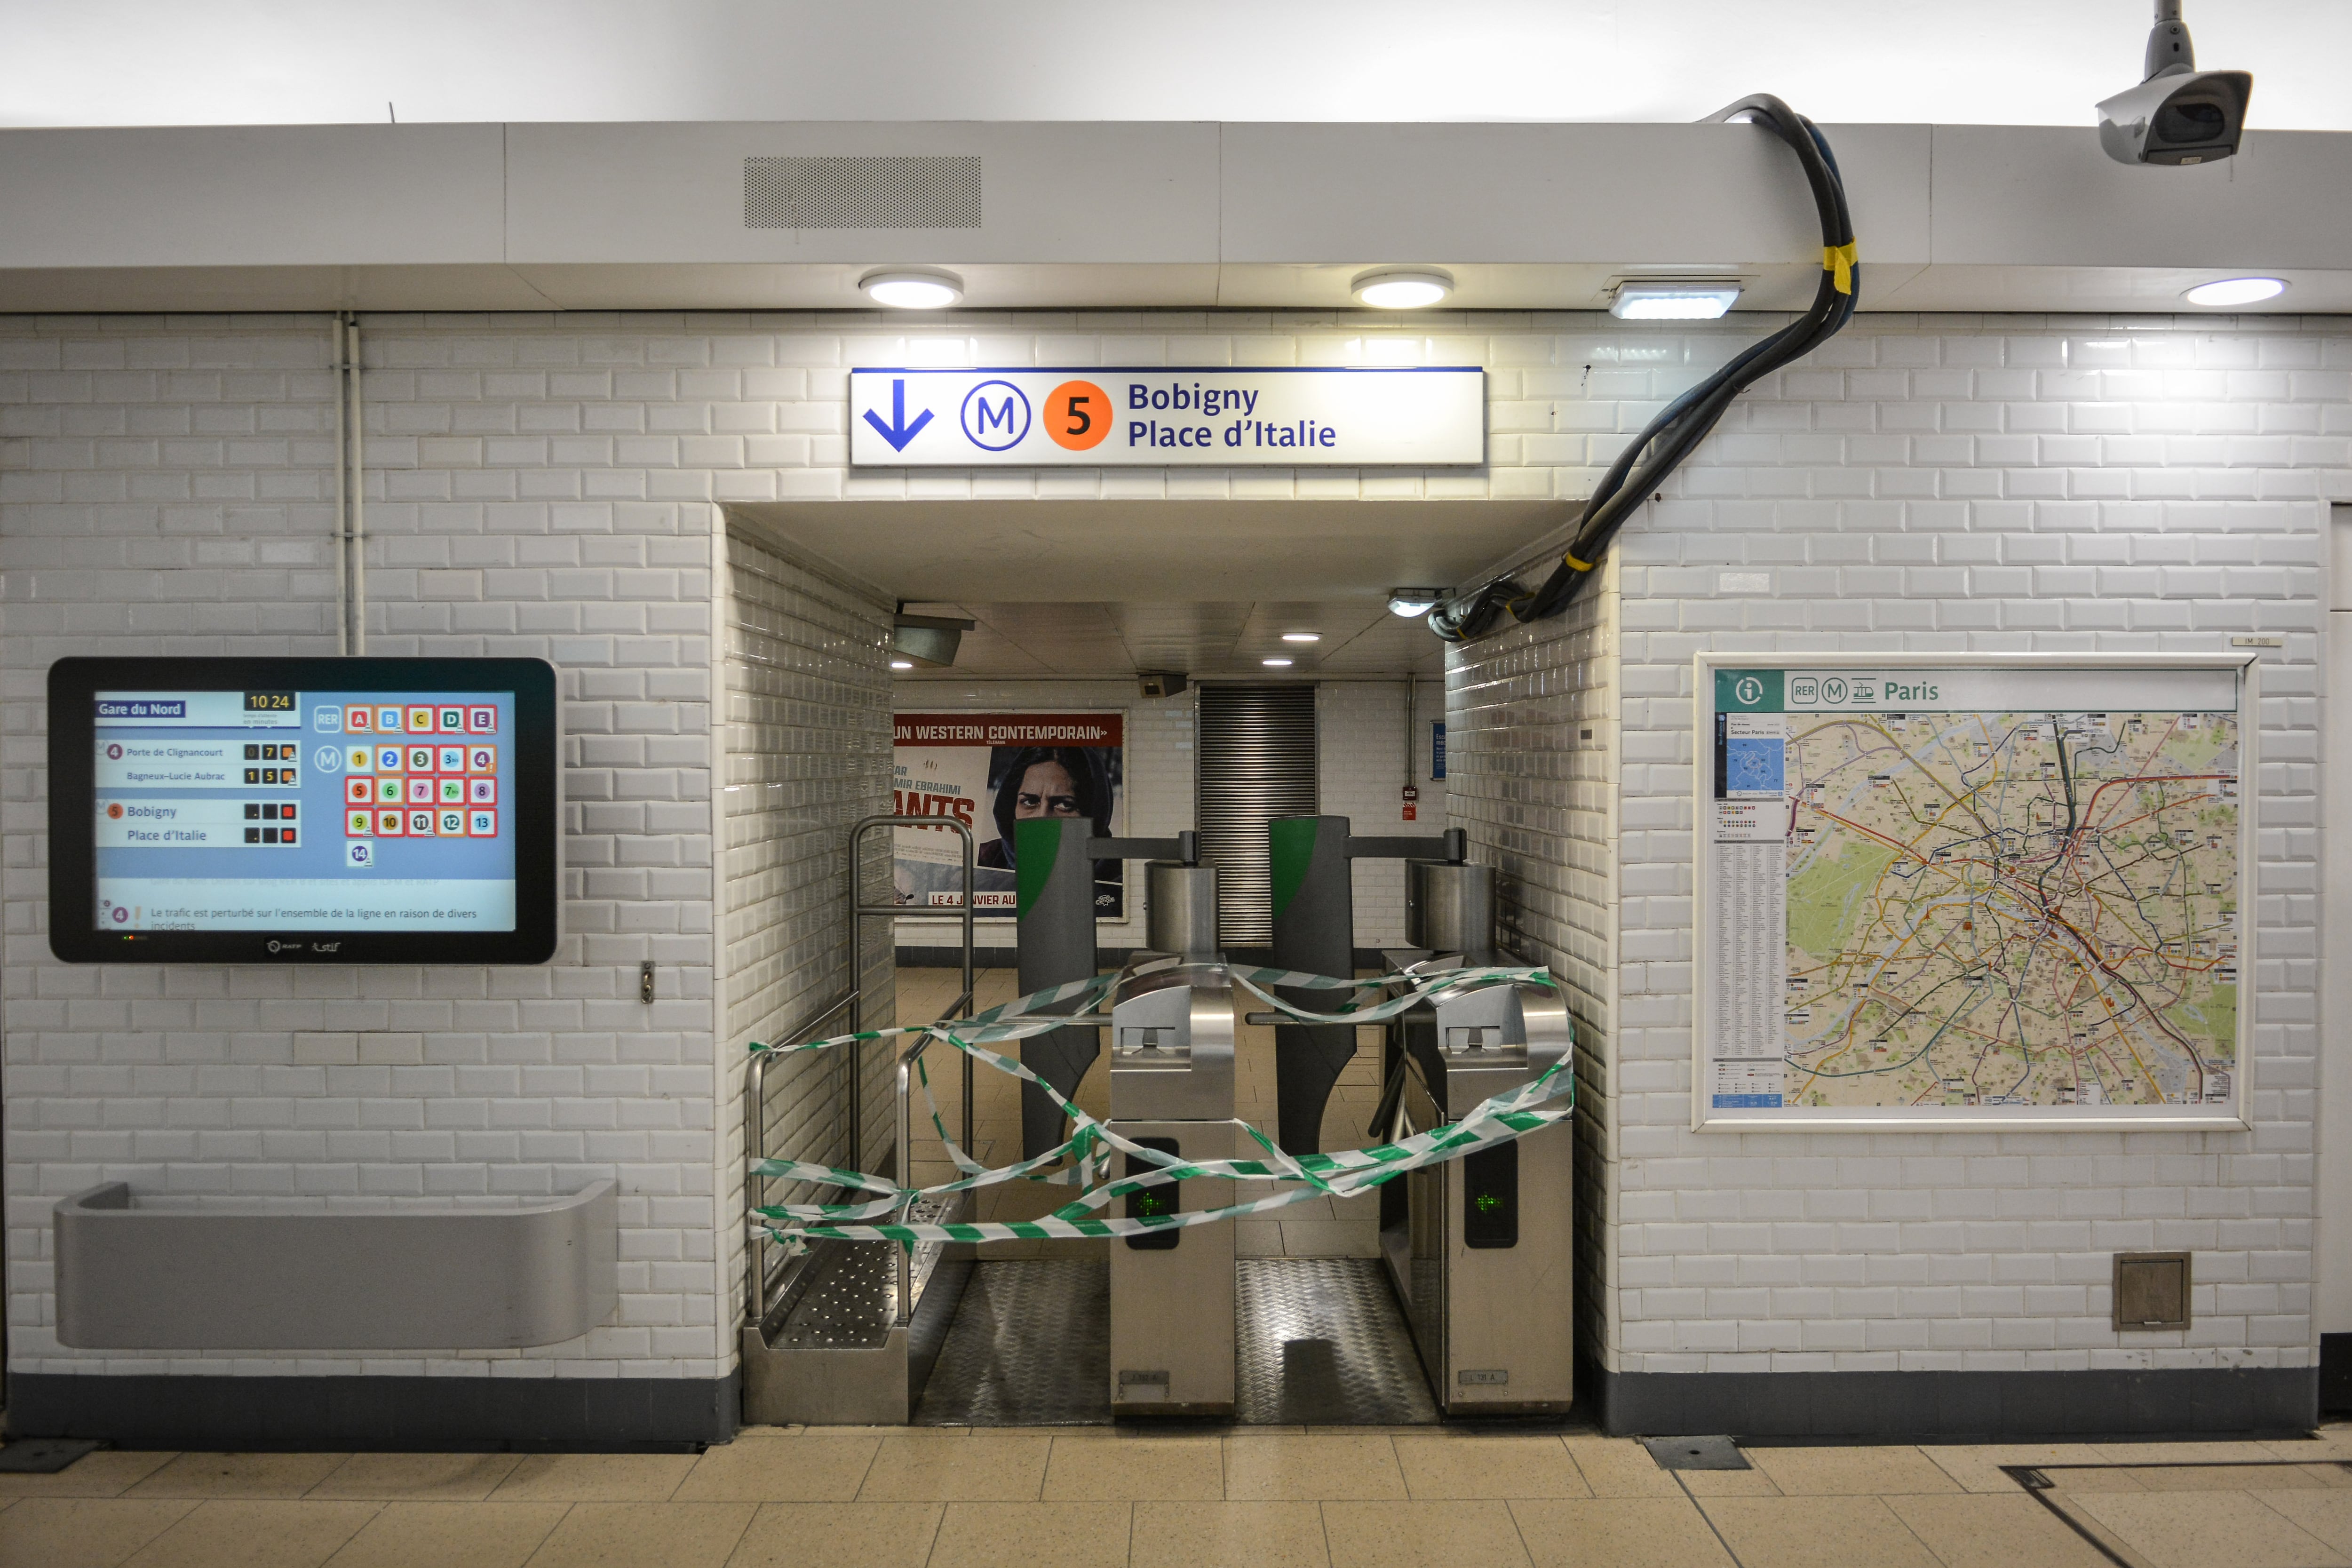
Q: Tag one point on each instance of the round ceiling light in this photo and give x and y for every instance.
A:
(903, 289)
(1402, 289)
(2226, 291)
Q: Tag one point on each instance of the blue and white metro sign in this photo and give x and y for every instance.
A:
(1097, 418)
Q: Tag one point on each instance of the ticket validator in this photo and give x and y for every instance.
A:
(1481, 1248)
(1171, 1091)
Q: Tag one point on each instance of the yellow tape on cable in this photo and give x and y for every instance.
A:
(1839, 261)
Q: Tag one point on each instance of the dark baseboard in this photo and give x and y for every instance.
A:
(425, 1413)
(2335, 1374)
(1957, 1406)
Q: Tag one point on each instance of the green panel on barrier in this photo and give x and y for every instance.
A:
(1290, 844)
(1036, 844)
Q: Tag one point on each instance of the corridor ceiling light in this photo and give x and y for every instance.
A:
(1302, 637)
(1276, 663)
(902, 663)
(2224, 291)
(1402, 288)
(903, 289)
(1673, 301)
(1414, 600)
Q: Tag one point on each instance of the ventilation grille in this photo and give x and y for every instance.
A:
(861, 193)
(1256, 760)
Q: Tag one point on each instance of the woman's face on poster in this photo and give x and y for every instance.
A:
(1046, 789)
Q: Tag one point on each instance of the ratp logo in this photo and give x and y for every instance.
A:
(995, 415)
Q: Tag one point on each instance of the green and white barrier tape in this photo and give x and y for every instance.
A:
(1345, 1173)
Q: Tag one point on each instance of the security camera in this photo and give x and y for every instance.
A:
(2178, 114)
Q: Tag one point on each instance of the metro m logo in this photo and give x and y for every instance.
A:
(995, 415)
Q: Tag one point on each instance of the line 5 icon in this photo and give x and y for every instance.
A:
(995, 415)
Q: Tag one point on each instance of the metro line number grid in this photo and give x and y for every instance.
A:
(1973, 891)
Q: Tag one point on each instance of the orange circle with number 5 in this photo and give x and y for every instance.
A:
(1078, 415)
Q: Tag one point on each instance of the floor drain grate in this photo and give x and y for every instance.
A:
(1696, 1453)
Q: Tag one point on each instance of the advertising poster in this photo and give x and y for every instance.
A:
(989, 771)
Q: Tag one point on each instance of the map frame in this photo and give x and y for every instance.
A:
(2226, 1116)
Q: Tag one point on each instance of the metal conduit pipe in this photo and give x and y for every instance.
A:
(359, 496)
(342, 474)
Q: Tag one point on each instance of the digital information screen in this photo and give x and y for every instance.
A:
(372, 809)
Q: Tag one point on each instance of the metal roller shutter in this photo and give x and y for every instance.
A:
(1257, 761)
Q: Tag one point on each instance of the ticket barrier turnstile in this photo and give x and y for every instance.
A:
(1481, 1247)
(1172, 1089)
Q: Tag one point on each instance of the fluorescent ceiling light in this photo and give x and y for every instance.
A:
(2236, 291)
(1402, 289)
(1673, 301)
(1302, 637)
(1414, 600)
(902, 663)
(1276, 663)
(912, 290)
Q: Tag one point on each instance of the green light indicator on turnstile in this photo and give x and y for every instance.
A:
(1152, 1204)
(1487, 1202)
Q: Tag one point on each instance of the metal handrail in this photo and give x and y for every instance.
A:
(762, 1289)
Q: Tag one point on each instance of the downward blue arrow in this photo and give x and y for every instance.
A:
(898, 432)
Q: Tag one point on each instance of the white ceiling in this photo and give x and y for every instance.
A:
(1042, 641)
(245, 62)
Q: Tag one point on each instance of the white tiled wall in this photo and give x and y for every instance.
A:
(543, 486)
(805, 734)
(1995, 485)
(1361, 769)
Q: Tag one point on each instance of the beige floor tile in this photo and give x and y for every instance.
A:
(2325, 1514)
(239, 1475)
(1618, 1467)
(1850, 1472)
(82, 1532)
(1812, 1532)
(1974, 1530)
(1977, 1466)
(839, 1535)
(2207, 1530)
(107, 1473)
(243, 1533)
(450, 1535)
(1489, 1467)
(1088, 1469)
(1317, 1468)
(595, 1478)
(780, 1469)
(962, 1467)
(1619, 1533)
(1727, 1483)
(1032, 1535)
(1228, 1535)
(645, 1535)
(2274, 1477)
(419, 1478)
(2185, 1453)
(1424, 1535)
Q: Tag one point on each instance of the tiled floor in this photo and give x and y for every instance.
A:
(1287, 1497)
(1316, 1227)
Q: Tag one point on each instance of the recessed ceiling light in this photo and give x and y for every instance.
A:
(904, 290)
(1276, 663)
(2236, 291)
(1302, 637)
(1673, 301)
(1414, 600)
(902, 663)
(1402, 288)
